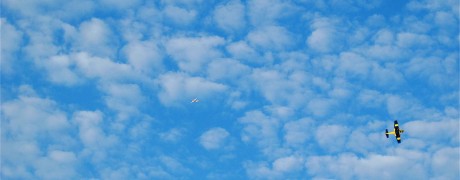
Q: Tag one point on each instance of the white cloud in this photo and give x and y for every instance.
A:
(178, 88)
(242, 51)
(96, 37)
(261, 130)
(430, 131)
(387, 77)
(56, 159)
(433, 69)
(280, 168)
(40, 38)
(354, 65)
(30, 126)
(445, 163)
(280, 88)
(371, 98)
(396, 104)
(227, 69)
(349, 166)
(332, 137)
(144, 56)
(174, 165)
(193, 54)
(325, 36)
(384, 37)
(103, 68)
(298, 132)
(408, 40)
(267, 12)
(172, 135)
(214, 138)
(180, 16)
(30, 116)
(11, 41)
(60, 70)
(187, 3)
(320, 106)
(120, 4)
(126, 99)
(271, 38)
(288, 164)
(67, 10)
(231, 16)
(92, 135)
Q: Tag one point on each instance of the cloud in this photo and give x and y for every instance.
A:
(433, 69)
(242, 51)
(214, 138)
(31, 127)
(298, 132)
(56, 159)
(193, 54)
(11, 41)
(230, 16)
(126, 99)
(219, 70)
(284, 167)
(263, 12)
(96, 37)
(180, 16)
(102, 68)
(120, 4)
(288, 164)
(281, 88)
(409, 40)
(92, 135)
(177, 88)
(445, 163)
(60, 70)
(174, 165)
(320, 106)
(30, 116)
(332, 137)
(429, 131)
(172, 135)
(262, 130)
(66, 10)
(325, 35)
(271, 38)
(144, 56)
(353, 65)
(396, 104)
(349, 166)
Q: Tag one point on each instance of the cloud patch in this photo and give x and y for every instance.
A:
(214, 138)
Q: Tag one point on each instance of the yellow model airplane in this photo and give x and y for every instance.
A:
(396, 131)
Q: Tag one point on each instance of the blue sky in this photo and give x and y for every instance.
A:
(288, 89)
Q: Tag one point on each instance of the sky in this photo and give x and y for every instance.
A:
(288, 89)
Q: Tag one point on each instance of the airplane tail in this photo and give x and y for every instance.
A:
(386, 132)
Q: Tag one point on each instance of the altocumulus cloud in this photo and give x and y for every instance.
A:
(288, 90)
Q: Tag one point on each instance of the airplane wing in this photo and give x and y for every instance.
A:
(398, 135)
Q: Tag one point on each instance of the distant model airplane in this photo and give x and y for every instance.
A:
(396, 131)
(195, 100)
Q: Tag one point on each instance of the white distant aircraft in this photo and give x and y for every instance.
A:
(195, 100)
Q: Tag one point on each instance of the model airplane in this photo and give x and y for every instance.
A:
(195, 100)
(396, 131)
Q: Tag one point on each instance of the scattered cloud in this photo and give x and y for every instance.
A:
(230, 16)
(102, 90)
(214, 138)
(193, 54)
(178, 87)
